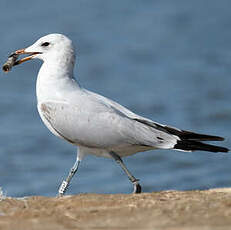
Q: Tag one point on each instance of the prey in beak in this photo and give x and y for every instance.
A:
(12, 59)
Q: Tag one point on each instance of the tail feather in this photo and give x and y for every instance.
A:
(188, 145)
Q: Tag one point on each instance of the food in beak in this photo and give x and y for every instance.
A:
(12, 59)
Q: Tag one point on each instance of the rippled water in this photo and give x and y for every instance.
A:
(167, 60)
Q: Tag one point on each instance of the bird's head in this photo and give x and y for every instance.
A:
(52, 47)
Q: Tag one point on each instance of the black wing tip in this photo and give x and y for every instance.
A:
(187, 145)
(221, 150)
(188, 135)
(219, 138)
(227, 150)
(210, 137)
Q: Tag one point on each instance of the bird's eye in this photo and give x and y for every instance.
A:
(45, 44)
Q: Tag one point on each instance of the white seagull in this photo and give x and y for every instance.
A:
(96, 124)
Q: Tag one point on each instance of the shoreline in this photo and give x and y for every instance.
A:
(173, 210)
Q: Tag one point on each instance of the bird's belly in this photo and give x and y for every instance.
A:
(122, 152)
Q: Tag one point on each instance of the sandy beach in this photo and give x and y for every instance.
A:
(176, 210)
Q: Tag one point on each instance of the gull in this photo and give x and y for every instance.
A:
(94, 123)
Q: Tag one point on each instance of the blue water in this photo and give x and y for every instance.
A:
(167, 60)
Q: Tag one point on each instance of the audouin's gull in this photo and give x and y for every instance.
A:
(96, 124)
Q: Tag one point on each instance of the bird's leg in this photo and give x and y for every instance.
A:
(117, 158)
(65, 183)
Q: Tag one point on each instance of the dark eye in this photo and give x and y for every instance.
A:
(45, 44)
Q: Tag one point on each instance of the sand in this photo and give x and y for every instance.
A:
(175, 210)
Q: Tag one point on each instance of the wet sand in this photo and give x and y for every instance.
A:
(175, 210)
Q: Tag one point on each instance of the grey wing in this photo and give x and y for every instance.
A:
(131, 114)
(105, 128)
(94, 125)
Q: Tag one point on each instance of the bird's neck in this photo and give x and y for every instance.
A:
(54, 80)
